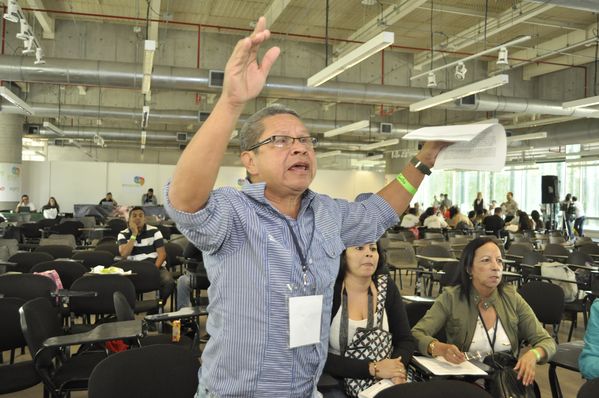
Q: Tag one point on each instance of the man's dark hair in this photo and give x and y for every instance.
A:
(574, 198)
(412, 210)
(497, 210)
(24, 196)
(108, 193)
(151, 190)
(137, 208)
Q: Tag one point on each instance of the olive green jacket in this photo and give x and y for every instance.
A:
(452, 312)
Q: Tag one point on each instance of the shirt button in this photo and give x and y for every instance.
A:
(310, 261)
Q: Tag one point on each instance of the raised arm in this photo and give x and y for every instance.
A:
(198, 165)
(397, 195)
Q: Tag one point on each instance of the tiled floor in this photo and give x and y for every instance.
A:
(570, 381)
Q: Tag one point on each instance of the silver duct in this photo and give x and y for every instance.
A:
(128, 75)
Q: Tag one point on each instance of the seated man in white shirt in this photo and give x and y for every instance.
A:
(435, 221)
(25, 204)
(410, 219)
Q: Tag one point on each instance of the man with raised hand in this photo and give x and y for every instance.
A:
(271, 250)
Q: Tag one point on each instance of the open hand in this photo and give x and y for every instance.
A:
(244, 76)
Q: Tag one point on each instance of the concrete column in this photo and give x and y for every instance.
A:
(11, 132)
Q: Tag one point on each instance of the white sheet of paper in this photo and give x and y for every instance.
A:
(305, 315)
(480, 147)
(440, 367)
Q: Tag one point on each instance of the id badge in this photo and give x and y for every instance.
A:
(305, 317)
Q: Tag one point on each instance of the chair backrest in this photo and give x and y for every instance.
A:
(179, 239)
(26, 286)
(146, 276)
(533, 258)
(56, 251)
(579, 258)
(153, 371)
(555, 249)
(69, 228)
(104, 286)
(39, 321)
(401, 254)
(116, 225)
(60, 239)
(434, 235)
(31, 230)
(545, 299)
(416, 310)
(520, 248)
(589, 249)
(68, 270)
(11, 244)
(110, 247)
(435, 389)
(26, 260)
(122, 308)
(165, 231)
(92, 258)
(436, 251)
(173, 251)
(442, 243)
(11, 336)
(590, 389)
(583, 240)
(556, 239)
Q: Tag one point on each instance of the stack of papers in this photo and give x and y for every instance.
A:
(440, 367)
(481, 147)
(99, 269)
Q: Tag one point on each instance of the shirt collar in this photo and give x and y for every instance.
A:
(256, 192)
(476, 297)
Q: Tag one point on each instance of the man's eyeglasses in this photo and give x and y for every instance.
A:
(285, 141)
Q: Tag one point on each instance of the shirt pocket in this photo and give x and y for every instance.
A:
(332, 249)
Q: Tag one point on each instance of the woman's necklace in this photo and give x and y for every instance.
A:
(485, 304)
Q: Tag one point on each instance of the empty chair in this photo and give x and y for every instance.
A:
(557, 250)
(59, 239)
(31, 232)
(579, 258)
(520, 248)
(26, 260)
(173, 253)
(416, 311)
(104, 286)
(59, 373)
(154, 371)
(26, 286)
(116, 225)
(556, 240)
(434, 235)
(546, 301)
(401, 256)
(12, 247)
(68, 270)
(14, 376)
(110, 247)
(145, 278)
(583, 240)
(435, 389)
(69, 228)
(528, 264)
(165, 231)
(56, 251)
(93, 258)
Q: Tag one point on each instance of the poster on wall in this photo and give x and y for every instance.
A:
(133, 182)
(10, 182)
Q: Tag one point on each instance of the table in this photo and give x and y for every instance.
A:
(187, 312)
(566, 357)
(103, 332)
(92, 230)
(418, 299)
(438, 259)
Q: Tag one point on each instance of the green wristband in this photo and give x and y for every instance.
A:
(406, 184)
(537, 354)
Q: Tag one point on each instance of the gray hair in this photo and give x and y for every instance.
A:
(253, 127)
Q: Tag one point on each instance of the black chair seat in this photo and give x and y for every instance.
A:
(146, 305)
(17, 377)
(152, 339)
(74, 374)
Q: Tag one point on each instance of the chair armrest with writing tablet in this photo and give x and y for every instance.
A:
(183, 313)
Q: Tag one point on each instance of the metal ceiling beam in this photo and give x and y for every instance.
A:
(388, 17)
(45, 20)
(274, 11)
(472, 35)
(584, 5)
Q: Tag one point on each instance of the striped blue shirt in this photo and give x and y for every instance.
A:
(250, 259)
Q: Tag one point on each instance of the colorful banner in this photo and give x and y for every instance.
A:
(133, 182)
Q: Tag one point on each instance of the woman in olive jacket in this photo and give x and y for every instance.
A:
(481, 312)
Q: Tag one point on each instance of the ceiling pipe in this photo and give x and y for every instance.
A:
(129, 75)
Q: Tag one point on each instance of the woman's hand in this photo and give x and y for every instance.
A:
(450, 352)
(526, 367)
(244, 76)
(390, 369)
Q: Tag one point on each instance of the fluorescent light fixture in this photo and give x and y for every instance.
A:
(582, 103)
(329, 154)
(26, 31)
(431, 80)
(502, 56)
(371, 47)
(29, 46)
(348, 128)
(460, 92)
(143, 138)
(380, 144)
(375, 157)
(15, 100)
(13, 11)
(474, 56)
(145, 116)
(39, 56)
(525, 137)
(55, 129)
(148, 65)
